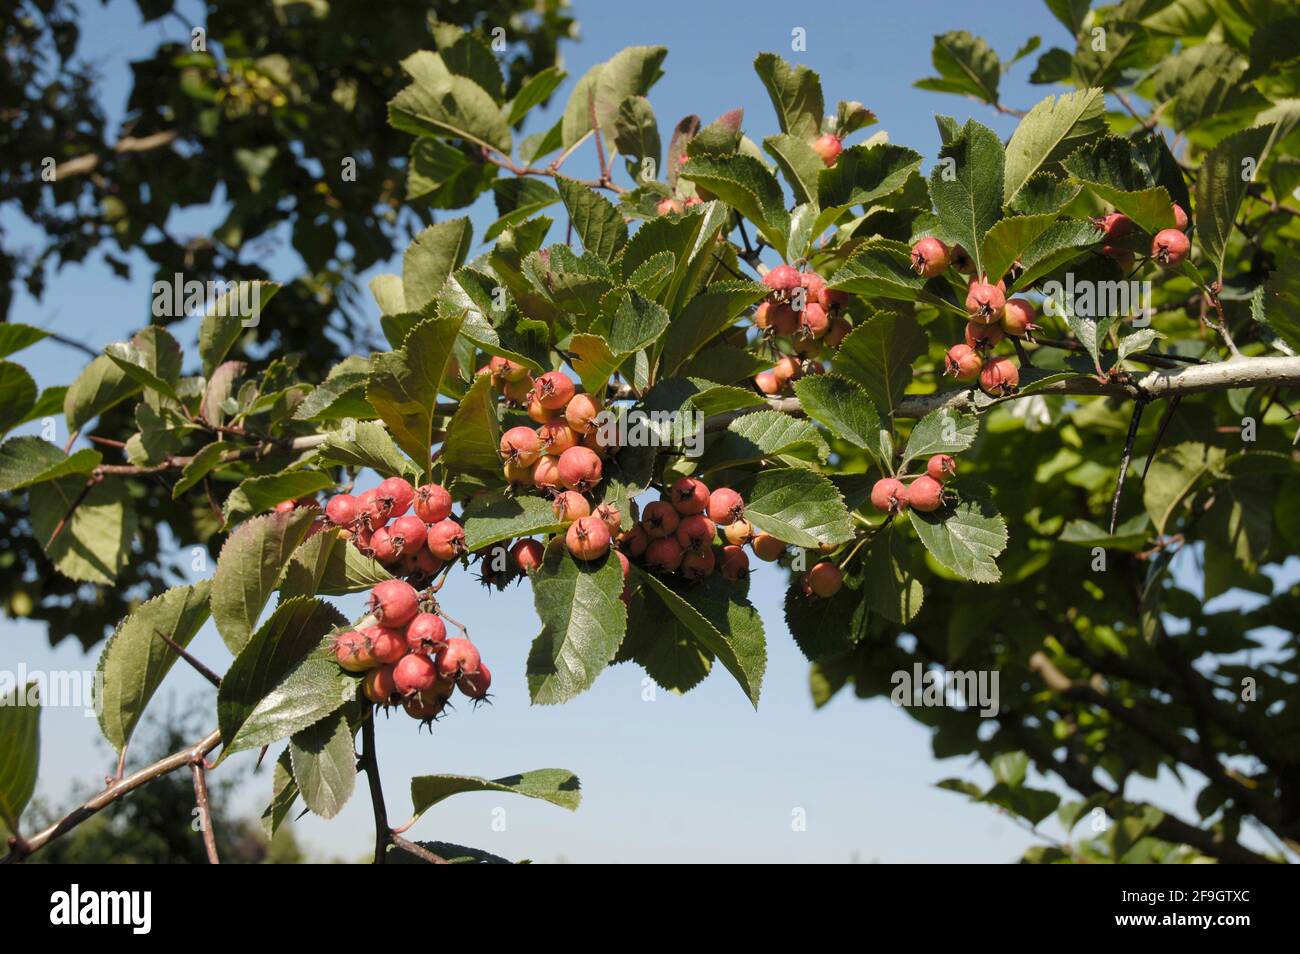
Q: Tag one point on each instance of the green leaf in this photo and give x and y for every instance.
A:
(796, 94)
(535, 91)
(633, 322)
(662, 645)
(250, 567)
(95, 543)
(490, 519)
(1007, 240)
(878, 355)
(599, 224)
(438, 102)
(20, 752)
(861, 176)
(365, 444)
(1009, 768)
(1221, 184)
(342, 393)
(798, 506)
(583, 622)
(518, 200)
(799, 164)
(1174, 473)
(472, 445)
(883, 270)
(404, 384)
(15, 337)
(636, 136)
(203, 463)
(256, 495)
(135, 660)
(325, 764)
(763, 435)
(890, 587)
(557, 786)
(225, 321)
(49, 404)
(594, 361)
(1051, 131)
(444, 175)
(472, 57)
(630, 72)
(152, 358)
(723, 622)
(942, 431)
(284, 793)
(25, 461)
(325, 565)
(282, 679)
(430, 259)
(966, 65)
(966, 187)
(964, 536)
(705, 317)
(844, 408)
(744, 183)
(99, 387)
(17, 395)
(1281, 299)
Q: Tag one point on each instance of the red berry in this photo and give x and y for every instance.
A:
(587, 538)
(660, 519)
(446, 539)
(697, 564)
(828, 147)
(570, 506)
(342, 510)
(374, 512)
(398, 493)
(984, 302)
(735, 563)
(581, 413)
(823, 580)
(1169, 248)
(767, 547)
(285, 506)
(387, 645)
(528, 555)
(963, 363)
(556, 437)
(579, 469)
(738, 532)
(814, 286)
(553, 390)
(414, 674)
(688, 496)
(839, 330)
(725, 506)
(379, 686)
(476, 684)
(696, 533)
(546, 473)
(426, 564)
(1180, 218)
(1116, 225)
(787, 369)
(635, 541)
(458, 657)
(352, 650)
(432, 503)
(941, 467)
(762, 315)
(767, 382)
(982, 337)
(508, 370)
(663, 554)
(1018, 317)
(520, 445)
(925, 494)
(425, 706)
(382, 546)
(519, 392)
(961, 260)
(667, 206)
(813, 321)
(394, 602)
(1123, 257)
(889, 495)
(929, 258)
(1000, 377)
(783, 278)
(407, 533)
(784, 320)
(426, 633)
(609, 515)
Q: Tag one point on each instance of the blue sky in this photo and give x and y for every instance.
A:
(699, 777)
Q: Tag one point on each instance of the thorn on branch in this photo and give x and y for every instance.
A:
(180, 650)
(1138, 407)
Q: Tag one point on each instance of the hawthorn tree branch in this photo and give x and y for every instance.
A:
(81, 165)
(20, 847)
(369, 762)
(205, 811)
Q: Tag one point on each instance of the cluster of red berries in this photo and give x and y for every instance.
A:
(410, 530)
(407, 657)
(926, 492)
(802, 311)
(1169, 247)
